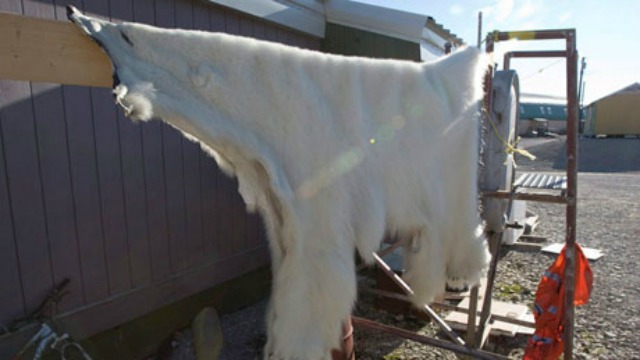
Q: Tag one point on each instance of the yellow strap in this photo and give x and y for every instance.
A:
(509, 149)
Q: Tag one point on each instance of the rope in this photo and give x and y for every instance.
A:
(509, 148)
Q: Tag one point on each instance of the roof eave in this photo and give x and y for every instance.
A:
(306, 16)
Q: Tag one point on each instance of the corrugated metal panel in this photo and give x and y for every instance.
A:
(541, 181)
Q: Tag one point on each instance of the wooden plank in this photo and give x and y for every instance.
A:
(144, 11)
(259, 30)
(225, 212)
(120, 10)
(378, 48)
(111, 190)
(154, 182)
(84, 178)
(232, 23)
(217, 19)
(210, 217)
(193, 202)
(164, 16)
(25, 187)
(56, 180)
(509, 319)
(50, 51)
(246, 26)
(191, 165)
(107, 143)
(271, 34)
(173, 171)
(239, 218)
(11, 299)
(133, 179)
(155, 186)
(57, 190)
(86, 192)
(200, 16)
(183, 14)
(174, 177)
(348, 34)
(223, 209)
(17, 119)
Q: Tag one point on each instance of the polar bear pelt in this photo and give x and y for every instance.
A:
(334, 152)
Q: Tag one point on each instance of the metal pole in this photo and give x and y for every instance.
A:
(479, 29)
(428, 310)
(482, 330)
(572, 187)
(472, 316)
(460, 349)
(583, 65)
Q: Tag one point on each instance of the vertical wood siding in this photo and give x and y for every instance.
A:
(344, 40)
(115, 206)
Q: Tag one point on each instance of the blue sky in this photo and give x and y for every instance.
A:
(608, 33)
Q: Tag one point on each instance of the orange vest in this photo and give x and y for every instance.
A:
(546, 342)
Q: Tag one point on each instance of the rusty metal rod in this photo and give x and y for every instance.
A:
(572, 189)
(539, 197)
(496, 239)
(537, 54)
(531, 35)
(410, 335)
(428, 310)
(472, 315)
(382, 253)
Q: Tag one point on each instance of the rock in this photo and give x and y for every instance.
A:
(207, 334)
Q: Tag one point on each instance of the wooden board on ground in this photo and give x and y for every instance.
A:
(590, 253)
(458, 320)
(524, 246)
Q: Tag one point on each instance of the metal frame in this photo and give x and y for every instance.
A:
(569, 198)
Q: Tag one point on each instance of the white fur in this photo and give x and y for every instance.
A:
(333, 151)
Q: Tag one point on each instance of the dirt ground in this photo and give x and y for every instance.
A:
(608, 219)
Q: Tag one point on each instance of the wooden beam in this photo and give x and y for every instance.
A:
(33, 49)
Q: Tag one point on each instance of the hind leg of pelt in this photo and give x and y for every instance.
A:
(313, 293)
(424, 267)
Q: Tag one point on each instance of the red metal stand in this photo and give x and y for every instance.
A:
(570, 197)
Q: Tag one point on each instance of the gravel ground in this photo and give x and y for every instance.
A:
(608, 219)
